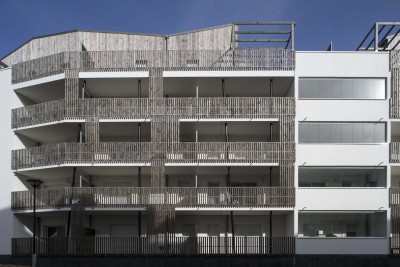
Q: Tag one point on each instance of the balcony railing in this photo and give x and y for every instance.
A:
(144, 153)
(155, 245)
(394, 152)
(394, 108)
(394, 196)
(131, 197)
(182, 60)
(140, 108)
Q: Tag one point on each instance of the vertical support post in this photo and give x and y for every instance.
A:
(197, 91)
(139, 175)
(271, 86)
(376, 37)
(139, 88)
(232, 218)
(292, 36)
(34, 229)
(226, 233)
(226, 141)
(34, 183)
(223, 87)
(83, 89)
(197, 133)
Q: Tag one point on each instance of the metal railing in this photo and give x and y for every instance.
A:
(394, 108)
(130, 197)
(141, 108)
(155, 245)
(144, 153)
(394, 153)
(394, 196)
(182, 60)
(394, 203)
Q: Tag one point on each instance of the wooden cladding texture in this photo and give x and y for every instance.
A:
(78, 219)
(161, 220)
(92, 41)
(167, 244)
(139, 197)
(395, 84)
(92, 129)
(218, 38)
(71, 85)
(144, 60)
(145, 108)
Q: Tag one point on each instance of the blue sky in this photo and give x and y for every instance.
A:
(318, 22)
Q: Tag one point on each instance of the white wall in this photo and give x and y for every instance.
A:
(342, 64)
(6, 216)
(342, 198)
(342, 155)
(342, 110)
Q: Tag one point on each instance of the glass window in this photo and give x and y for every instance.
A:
(342, 88)
(342, 224)
(342, 176)
(342, 133)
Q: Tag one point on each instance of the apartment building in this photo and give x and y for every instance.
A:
(220, 141)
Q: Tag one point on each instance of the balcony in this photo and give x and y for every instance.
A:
(155, 245)
(114, 153)
(139, 197)
(178, 60)
(141, 108)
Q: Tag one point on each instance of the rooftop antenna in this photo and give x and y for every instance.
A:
(330, 47)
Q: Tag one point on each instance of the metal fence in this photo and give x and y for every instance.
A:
(175, 60)
(146, 152)
(130, 197)
(155, 245)
(141, 108)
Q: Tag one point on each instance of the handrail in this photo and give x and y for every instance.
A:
(146, 152)
(140, 108)
(155, 245)
(250, 59)
(136, 197)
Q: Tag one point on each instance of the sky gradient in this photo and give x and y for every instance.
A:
(318, 22)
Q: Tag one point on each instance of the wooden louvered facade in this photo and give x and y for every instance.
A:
(208, 50)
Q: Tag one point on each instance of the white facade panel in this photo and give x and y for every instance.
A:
(342, 64)
(342, 155)
(342, 110)
(342, 199)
